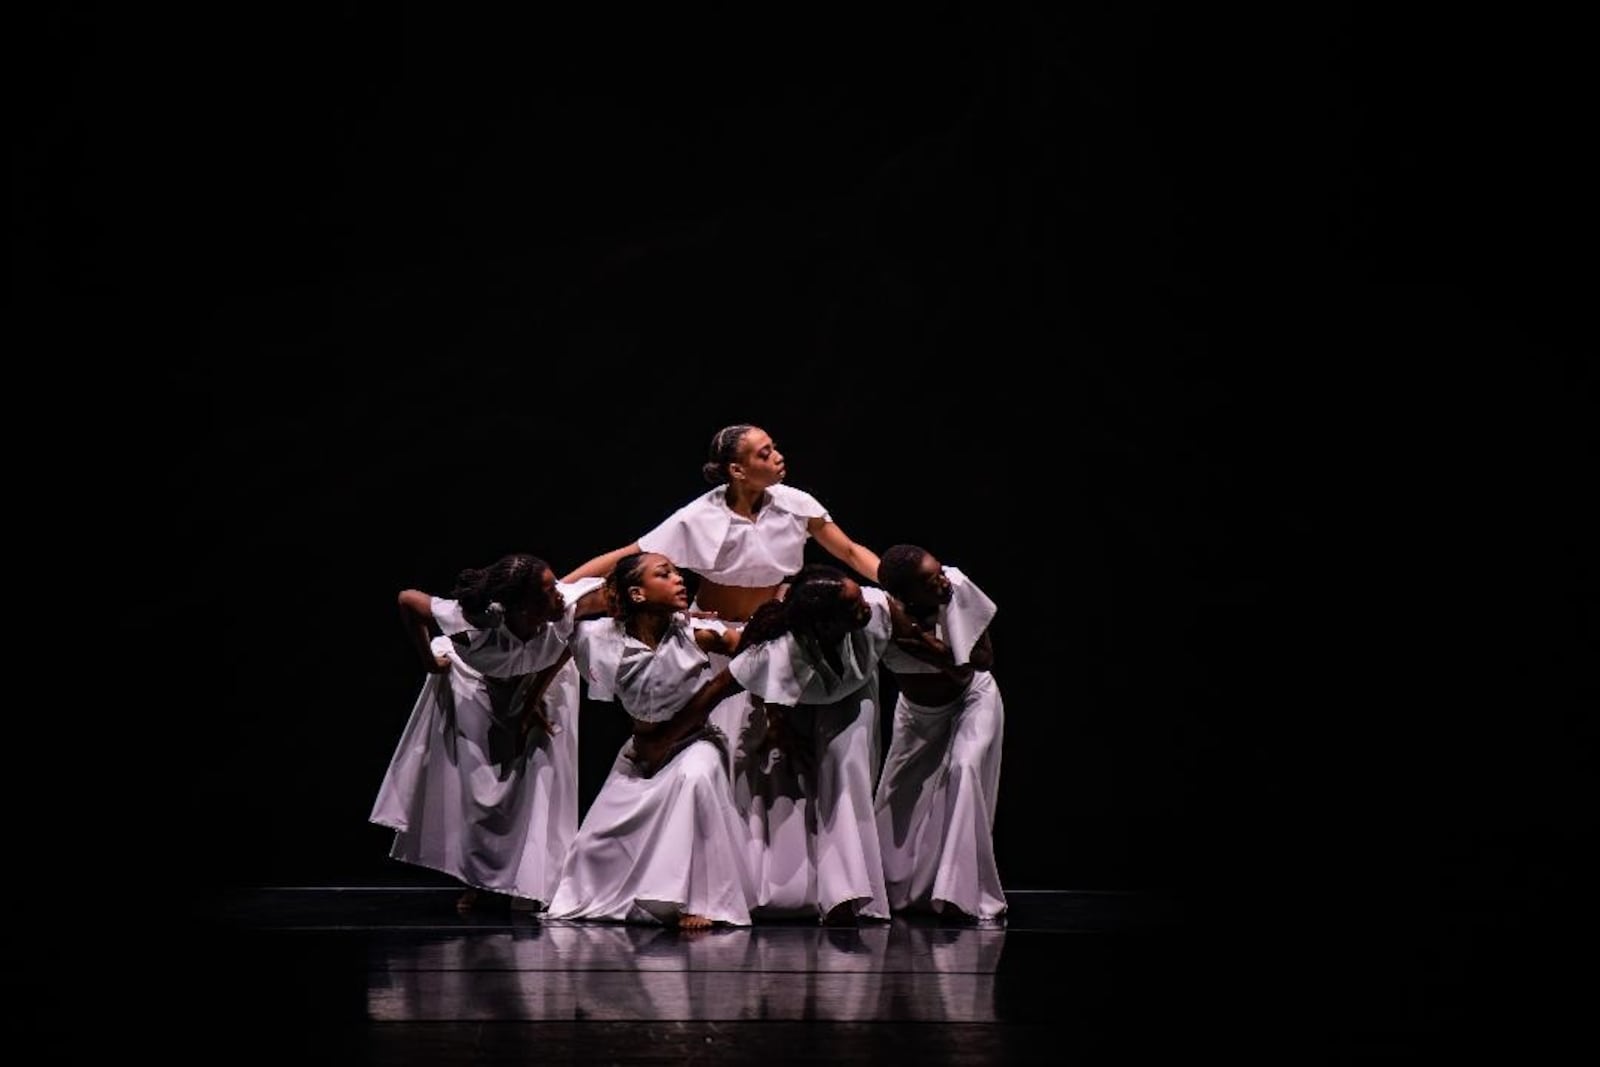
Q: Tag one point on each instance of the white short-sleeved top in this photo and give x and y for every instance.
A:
(499, 653)
(961, 622)
(780, 671)
(707, 537)
(651, 684)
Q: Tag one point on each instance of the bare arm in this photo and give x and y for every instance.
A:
(416, 615)
(595, 604)
(982, 657)
(533, 710)
(652, 745)
(601, 566)
(858, 558)
(910, 637)
(725, 643)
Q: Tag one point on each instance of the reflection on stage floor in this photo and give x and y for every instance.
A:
(395, 975)
(559, 970)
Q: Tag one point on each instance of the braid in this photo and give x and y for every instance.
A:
(508, 581)
(471, 589)
(768, 622)
(813, 598)
(628, 572)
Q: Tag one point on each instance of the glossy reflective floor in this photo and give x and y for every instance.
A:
(393, 975)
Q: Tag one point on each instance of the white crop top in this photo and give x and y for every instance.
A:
(705, 536)
(499, 653)
(652, 684)
(961, 622)
(779, 670)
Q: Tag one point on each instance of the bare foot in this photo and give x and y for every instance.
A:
(467, 900)
(693, 922)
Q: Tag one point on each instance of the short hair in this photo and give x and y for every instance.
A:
(897, 568)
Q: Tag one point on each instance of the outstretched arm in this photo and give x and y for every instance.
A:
(858, 558)
(601, 566)
(416, 615)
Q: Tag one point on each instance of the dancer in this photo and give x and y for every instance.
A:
(742, 539)
(662, 842)
(813, 658)
(483, 785)
(940, 783)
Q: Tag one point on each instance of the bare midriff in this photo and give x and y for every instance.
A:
(733, 603)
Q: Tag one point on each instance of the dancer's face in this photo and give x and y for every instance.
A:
(538, 610)
(660, 584)
(760, 464)
(854, 612)
(931, 588)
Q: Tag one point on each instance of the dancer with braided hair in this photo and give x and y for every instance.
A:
(662, 842)
(483, 785)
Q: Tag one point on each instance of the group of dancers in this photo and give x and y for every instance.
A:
(751, 786)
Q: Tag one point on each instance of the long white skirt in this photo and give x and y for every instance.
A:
(842, 738)
(652, 849)
(936, 803)
(813, 836)
(502, 827)
(772, 800)
(778, 815)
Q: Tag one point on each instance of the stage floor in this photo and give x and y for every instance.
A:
(393, 975)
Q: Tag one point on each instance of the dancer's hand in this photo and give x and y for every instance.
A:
(646, 754)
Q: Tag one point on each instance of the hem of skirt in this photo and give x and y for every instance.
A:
(632, 917)
(963, 915)
(942, 907)
(469, 883)
(862, 904)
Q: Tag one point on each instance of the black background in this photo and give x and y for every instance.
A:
(1240, 357)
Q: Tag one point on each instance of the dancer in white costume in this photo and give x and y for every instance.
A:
(483, 785)
(941, 780)
(742, 539)
(664, 842)
(813, 658)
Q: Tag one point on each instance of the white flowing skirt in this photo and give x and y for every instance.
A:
(651, 849)
(842, 739)
(936, 803)
(771, 800)
(813, 834)
(502, 827)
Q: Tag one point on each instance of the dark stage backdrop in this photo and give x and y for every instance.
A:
(1234, 358)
